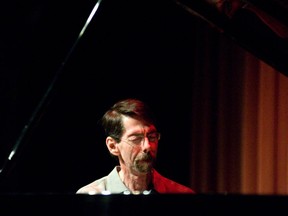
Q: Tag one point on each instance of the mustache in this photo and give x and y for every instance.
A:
(146, 157)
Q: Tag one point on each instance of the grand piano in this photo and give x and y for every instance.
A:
(258, 26)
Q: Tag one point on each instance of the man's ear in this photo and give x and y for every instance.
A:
(112, 146)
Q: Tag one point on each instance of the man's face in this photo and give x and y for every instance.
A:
(138, 146)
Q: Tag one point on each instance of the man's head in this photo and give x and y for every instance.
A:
(131, 135)
(112, 119)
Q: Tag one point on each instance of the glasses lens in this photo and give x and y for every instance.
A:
(138, 139)
(153, 137)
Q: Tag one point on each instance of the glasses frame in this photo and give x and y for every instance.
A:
(138, 139)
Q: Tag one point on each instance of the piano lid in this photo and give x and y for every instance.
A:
(261, 27)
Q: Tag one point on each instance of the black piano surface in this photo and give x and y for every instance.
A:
(153, 204)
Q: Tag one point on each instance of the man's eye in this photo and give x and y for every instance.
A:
(152, 136)
(135, 139)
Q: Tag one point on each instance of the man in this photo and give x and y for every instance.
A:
(132, 137)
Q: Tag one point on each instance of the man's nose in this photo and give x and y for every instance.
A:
(146, 143)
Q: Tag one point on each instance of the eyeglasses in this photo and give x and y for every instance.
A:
(138, 139)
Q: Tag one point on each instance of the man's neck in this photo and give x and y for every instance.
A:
(136, 183)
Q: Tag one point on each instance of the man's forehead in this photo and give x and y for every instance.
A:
(134, 125)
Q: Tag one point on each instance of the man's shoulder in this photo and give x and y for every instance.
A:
(99, 185)
(95, 187)
(163, 184)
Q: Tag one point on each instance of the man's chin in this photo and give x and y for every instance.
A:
(144, 166)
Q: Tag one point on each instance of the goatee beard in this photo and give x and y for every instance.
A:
(144, 164)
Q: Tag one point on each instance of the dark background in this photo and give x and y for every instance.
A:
(55, 85)
(130, 49)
